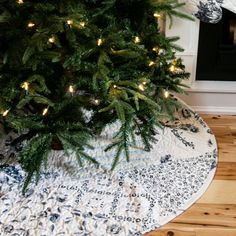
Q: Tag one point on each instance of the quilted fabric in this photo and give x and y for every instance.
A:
(209, 11)
(137, 197)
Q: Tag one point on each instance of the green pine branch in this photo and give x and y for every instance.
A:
(121, 79)
(122, 140)
(34, 155)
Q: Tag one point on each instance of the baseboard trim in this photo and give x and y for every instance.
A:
(221, 87)
(215, 110)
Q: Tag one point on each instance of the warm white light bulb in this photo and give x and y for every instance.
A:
(151, 63)
(71, 89)
(45, 111)
(20, 1)
(166, 94)
(69, 22)
(155, 49)
(141, 87)
(31, 24)
(99, 42)
(5, 112)
(114, 86)
(52, 39)
(172, 68)
(96, 101)
(82, 24)
(157, 15)
(25, 86)
(137, 39)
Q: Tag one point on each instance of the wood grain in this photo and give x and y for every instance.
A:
(219, 191)
(214, 214)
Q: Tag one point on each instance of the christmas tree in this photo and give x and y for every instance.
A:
(60, 60)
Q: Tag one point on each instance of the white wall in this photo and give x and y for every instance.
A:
(204, 96)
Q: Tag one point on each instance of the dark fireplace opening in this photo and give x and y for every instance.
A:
(217, 50)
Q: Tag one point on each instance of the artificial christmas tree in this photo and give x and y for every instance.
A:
(70, 68)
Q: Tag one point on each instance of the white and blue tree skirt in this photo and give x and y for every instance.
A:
(137, 197)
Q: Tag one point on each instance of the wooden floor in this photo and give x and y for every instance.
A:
(214, 214)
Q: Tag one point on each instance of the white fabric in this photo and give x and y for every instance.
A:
(137, 197)
(208, 10)
(230, 5)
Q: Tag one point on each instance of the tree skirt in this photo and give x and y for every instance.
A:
(139, 196)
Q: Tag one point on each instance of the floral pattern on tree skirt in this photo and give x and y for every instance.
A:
(137, 197)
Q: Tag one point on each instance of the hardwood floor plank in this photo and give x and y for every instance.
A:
(220, 192)
(171, 232)
(223, 135)
(209, 214)
(227, 152)
(194, 229)
(216, 232)
(218, 120)
(226, 171)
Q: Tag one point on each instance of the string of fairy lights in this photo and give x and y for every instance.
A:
(100, 41)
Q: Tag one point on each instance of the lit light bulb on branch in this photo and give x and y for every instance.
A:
(96, 101)
(52, 39)
(5, 112)
(155, 49)
(151, 63)
(99, 42)
(45, 111)
(157, 15)
(31, 24)
(20, 1)
(69, 22)
(172, 68)
(137, 39)
(82, 24)
(25, 86)
(144, 82)
(166, 94)
(141, 87)
(71, 89)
